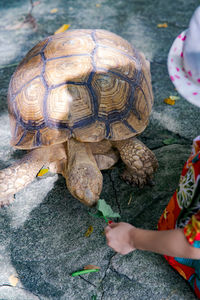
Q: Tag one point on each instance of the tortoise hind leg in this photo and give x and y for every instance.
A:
(21, 173)
(140, 161)
(83, 177)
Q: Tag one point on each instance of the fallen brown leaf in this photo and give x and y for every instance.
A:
(89, 231)
(162, 25)
(63, 28)
(13, 280)
(53, 11)
(91, 267)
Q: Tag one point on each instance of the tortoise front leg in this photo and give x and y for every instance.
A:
(21, 173)
(57, 159)
(140, 161)
(83, 177)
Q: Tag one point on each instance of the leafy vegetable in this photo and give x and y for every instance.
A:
(105, 211)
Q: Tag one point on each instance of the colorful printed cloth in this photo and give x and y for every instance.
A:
(183, 211)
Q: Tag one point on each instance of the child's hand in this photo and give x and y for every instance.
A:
(119, 237)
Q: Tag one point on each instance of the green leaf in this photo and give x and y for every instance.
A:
(169, 141)
(97, 215)
(106, 210)
(82, 272)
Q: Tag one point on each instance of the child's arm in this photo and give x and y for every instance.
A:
(124, 238)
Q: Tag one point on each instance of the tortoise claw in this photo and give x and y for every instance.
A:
(150, 181)
(138, 180)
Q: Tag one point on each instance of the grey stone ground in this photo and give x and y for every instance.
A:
(42, 235)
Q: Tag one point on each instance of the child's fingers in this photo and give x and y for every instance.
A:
(107, 229)
(113, 225)
(110, 226)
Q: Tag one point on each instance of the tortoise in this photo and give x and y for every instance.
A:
(76, 102)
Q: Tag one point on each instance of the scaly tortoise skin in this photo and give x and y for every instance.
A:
(77, 101)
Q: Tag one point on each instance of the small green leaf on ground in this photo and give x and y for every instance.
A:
(169, 141)
(82, 272)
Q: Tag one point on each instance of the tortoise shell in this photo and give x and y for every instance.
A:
(87, 84)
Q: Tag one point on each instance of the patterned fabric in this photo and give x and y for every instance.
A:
(183, 211)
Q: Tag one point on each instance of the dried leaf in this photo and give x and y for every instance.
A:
(162, 25)
(169, 101)
(89, 231)
(13, 280)
(53, 11)
(130, 199)
(174, 97)
(42, 172)
(63, 28)
(90, 267)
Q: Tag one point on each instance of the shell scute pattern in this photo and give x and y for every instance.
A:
(87, 84)
(68, 69)
(114, 41)
(69, 45)
(113, 92)
(33, 69)
(109, 59)
(28, 102)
